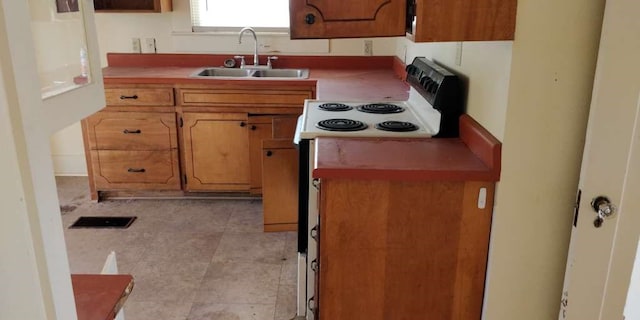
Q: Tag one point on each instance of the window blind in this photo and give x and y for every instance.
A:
(233, 14)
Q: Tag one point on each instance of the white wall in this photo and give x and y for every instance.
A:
(485, 67)
(552, 71)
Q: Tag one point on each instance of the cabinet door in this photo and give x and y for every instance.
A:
(462, 20)
(348, 18)
(216, 151)
(259, 130)
(280, 185)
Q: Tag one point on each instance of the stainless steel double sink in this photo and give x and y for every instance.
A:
(250, 73)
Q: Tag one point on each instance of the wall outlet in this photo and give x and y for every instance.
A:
(150, 45)
(135, 45)
(368, 47)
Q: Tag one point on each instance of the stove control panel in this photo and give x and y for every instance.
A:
(441, 88)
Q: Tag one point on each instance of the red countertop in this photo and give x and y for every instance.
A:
(100, 296)
(475, 156)
(335, 78)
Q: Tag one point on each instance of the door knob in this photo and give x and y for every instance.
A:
(603, 208)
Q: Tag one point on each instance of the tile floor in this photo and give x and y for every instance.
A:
(191, 259)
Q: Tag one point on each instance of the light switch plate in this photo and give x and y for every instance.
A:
(150, 45)
(482, 198)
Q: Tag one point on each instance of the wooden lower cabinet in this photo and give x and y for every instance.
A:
(216, 151)
(260, 128)
(280, 185)
(402, 250)
(146, 170)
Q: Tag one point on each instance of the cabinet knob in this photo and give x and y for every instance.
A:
(243, 124)
(253, 127)
(310, 18)
(269, 153)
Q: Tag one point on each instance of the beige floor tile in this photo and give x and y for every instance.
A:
(211, 252)
(249, 282)
(140, 310)
(202, 311)
(156, 286)
(183, 246)
(289, 274)
(251, 247)
(286, 304)
(246, 218)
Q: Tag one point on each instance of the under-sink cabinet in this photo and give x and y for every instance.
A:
(216, 151)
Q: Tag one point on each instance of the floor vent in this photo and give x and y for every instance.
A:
(103, 222)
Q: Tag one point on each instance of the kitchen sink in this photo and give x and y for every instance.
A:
(281, 73)
(250, 73)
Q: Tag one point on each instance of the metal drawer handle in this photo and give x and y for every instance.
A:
(314, 265)
(311, 304)
(136, 170)
(127, 131)
(134, 97)
(314, 233)
(269, 153)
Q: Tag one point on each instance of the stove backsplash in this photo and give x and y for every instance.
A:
(442, 89)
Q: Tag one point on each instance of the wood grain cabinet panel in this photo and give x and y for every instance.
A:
(139, 96)
(132, 5)
(260, 129)
(347, 18)
(242, 97)
(147, 170)
(216, 151)
(435, 20)
(132, 131)
(463, 20)
(397, 249)
(280, 185)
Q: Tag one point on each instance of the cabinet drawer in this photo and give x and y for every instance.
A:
(145, 170)
(131, 96)
(228, 97)
(132, 131)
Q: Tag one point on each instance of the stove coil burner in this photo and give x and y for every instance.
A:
(341, 125)
(396, 126)
(333, 106)
(380, 108)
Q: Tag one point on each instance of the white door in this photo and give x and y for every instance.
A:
(601, 259)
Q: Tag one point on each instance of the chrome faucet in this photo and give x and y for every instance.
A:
(256, 62)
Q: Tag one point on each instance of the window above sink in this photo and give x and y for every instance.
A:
(224, 15)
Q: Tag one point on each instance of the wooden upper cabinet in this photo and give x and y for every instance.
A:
(463, 20)
(435, 20)
(347, 18)
(132, 5)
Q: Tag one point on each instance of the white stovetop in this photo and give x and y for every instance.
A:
(416, 111)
